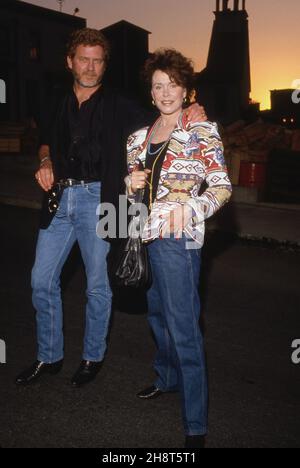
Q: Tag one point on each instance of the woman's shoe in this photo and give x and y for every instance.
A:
(149, 393)
(195, 441)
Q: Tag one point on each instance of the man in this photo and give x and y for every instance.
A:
(85, 154)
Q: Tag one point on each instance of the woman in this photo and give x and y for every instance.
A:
(177, 157)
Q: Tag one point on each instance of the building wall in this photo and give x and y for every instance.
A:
(224, 85)
(31, 56)
(130, 46)
(284, 110)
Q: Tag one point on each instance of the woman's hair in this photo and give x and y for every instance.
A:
(87, 37)
(180, 69)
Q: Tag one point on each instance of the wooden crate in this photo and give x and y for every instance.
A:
(10, 145)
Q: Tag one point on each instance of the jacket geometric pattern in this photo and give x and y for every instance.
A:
(195, 155)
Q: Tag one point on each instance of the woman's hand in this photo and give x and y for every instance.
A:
(138, 179)
(176, 221)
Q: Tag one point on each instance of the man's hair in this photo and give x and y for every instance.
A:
(87, 37)
(179, 68)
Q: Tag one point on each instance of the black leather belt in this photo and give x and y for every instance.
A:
(72, 182)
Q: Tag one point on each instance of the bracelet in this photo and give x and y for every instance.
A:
(44, 160)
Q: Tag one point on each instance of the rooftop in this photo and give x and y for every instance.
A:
(34, 10)
(124, 24)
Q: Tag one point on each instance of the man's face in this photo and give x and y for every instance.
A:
(88, 65)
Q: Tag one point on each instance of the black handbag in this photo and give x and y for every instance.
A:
(134, 267)
(54, 197)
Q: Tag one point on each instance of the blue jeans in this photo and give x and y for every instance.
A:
(75, 220)
(174, 312)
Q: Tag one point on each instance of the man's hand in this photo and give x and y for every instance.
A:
(45, 176)
(196, 113)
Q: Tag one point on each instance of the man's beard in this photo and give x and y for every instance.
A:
(84, 84)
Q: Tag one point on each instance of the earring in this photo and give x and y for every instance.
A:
(153, 102)
(185, 100)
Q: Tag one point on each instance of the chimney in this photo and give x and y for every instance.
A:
(225, 5)
(244, 5)
(228, 59)
(218, 5)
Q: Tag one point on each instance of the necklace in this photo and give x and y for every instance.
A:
(152, 174)
(154, 153)
(157, 152)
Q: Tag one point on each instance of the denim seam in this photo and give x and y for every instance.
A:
(108, 307)
(108, 313)
(168, 356)
(49, 290)
(166, 387)
(192, 282)
(167, 338)
(195, 322)
(169, 302)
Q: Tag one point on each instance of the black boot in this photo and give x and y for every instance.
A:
(86, 372)
(36, 370)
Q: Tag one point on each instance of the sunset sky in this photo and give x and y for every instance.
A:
(187, 25)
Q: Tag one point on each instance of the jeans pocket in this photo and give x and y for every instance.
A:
(93, 189)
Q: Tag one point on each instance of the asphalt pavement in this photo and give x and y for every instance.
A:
(250, 317)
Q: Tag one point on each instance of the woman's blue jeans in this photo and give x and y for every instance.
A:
(174, 312)
(75, 220)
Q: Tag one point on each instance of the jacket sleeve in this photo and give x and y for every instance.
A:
(219, 188)
(134, 149)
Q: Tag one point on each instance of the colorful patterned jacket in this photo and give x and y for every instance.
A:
(195, 155)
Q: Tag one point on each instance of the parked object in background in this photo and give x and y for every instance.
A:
(253, 174)
(253, 144)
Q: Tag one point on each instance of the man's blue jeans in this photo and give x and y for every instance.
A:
(174, 312)
(75, 220)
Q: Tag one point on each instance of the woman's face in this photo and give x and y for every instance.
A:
(168, 95)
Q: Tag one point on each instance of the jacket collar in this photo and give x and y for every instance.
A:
(180, 125)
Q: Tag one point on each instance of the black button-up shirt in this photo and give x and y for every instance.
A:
(82, 160)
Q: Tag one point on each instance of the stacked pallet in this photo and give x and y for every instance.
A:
(10, 145)
(10, 137)
(253, 144)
